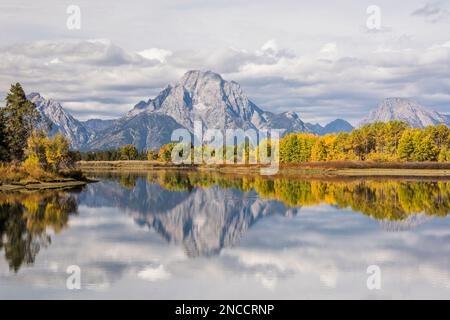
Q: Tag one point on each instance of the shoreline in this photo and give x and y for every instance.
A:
(340, 168)
(36, 186)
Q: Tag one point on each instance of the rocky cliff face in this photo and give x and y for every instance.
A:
(98, 125)
(205, 97)
(144, 130)
(61, 121)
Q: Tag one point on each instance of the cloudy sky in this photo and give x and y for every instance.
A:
(317, 58)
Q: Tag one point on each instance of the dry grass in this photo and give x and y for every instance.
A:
(330, 168)
(15, 173)
(368, 165)
(130, 165)
(324, 165)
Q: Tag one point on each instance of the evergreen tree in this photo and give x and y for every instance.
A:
(20, 116)
(3, 145)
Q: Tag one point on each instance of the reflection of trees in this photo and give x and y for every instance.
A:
(206, 211)
(380, 199)
(175, 181)
(128, 181)
(24, 220)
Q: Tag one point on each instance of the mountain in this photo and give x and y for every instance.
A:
(406, 110)
(205, 97)
(289, 121)
(199, 96)
(145, 130)
(97, 125)
(315, 128)
(214, 102)
(61, 121)
(335, 126)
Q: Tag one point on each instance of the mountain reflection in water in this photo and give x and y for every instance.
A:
(206, 212)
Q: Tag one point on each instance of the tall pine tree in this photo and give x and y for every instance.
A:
(3, 145)
(20, 116)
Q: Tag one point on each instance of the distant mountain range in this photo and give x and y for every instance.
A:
(336, 126)
(405, 110)
(217, 104)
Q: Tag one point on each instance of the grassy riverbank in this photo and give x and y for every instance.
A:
(339, 168)
(16, 178)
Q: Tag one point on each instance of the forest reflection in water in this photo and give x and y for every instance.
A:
(381, 198)
(26, 219)
(206, 212)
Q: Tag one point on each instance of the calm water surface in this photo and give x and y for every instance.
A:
(193, 236)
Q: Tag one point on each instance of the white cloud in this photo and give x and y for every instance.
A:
(100, 79)
(270, 48)
(283, 55)
(55, 61)
(329, 48)
(432, 12)
(156, 54)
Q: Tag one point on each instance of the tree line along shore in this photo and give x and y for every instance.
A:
(375, 148)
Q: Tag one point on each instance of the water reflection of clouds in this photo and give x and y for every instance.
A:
(154, 273)
(334, 260)
(320, 252)
(299, 259)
